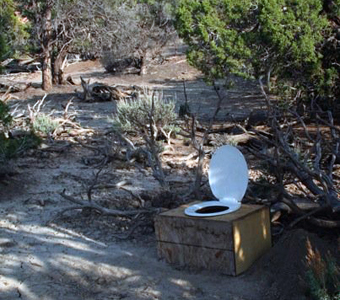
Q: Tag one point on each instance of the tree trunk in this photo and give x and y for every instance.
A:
(142, 67)
(58, 74)
(47, 47)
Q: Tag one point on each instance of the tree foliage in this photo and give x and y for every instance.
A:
(281, 39)
(13, 32)
(124, 28)
(5, 117)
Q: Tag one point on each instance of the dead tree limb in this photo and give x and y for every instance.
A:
(101, 92)
(80, 204)
(199, 146)
(307, 155)
(152, 151)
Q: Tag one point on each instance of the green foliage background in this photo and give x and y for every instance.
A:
(13, 32)
(281, 39)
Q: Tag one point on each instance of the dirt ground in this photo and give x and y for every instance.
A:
(78, 256)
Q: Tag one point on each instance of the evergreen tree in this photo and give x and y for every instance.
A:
(281, 39)
(13, 32)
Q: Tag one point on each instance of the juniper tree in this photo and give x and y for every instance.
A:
(13, 32)
(295, 42)
(124, 27)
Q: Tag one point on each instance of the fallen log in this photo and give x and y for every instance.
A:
(13, 87)
(243, 138)
(101, 92)
(217, 128)
(21, 66)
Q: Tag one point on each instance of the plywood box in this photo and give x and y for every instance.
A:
(228, 243)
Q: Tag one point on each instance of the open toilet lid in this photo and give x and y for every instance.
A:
(228, 174)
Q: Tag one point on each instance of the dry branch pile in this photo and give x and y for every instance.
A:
(101, 92)
(53, 127)
(18, 66)
(13, 87)
(303, 153)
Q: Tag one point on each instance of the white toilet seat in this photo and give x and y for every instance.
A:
(228, 179)
(231, 206)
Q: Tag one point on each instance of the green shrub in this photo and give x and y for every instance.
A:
(45, 124)
(290, 42)
(135, 115)
(5, 117)
(11, 147)
(14, 147)
(150, 117)
(13, 32)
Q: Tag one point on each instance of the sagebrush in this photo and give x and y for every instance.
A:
(150, 111)
(150, 117)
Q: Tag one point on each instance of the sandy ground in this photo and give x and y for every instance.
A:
(66, 261)
(78, 257)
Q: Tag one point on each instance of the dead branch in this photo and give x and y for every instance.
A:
(184, 109)
(302, 156)
(200, 146)
(101, 92)
(92, 185)
(100, 209)
(243, 138)
(305, 216)
(330, 224)
(152, 151)
(65, 124)
(130, 231)
(7, 95)
(13, 87)
(71, 81)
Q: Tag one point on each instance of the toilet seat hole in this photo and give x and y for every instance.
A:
(212, 209)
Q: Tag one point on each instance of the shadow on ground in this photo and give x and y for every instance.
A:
(58, 262)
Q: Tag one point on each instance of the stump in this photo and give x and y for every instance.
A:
(228, 243)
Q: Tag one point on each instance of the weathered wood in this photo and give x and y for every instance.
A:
(101, 92)
(47, 47)
(199, 257)
(228, 243)
(20, 66)
(217, 128)
(13, 87)
(243, 138)
(252, 238)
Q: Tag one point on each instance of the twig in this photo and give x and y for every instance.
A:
(305, 216)
(200, 147)
(90, 188)
(102, 210)
(315, 176)
(130, 231)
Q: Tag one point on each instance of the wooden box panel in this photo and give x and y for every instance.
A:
(252, 238)
(198, 257)
(228, 243)
(194, 231)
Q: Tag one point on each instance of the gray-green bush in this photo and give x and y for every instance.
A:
(150, 117)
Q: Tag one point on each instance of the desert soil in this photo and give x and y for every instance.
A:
(77, 256)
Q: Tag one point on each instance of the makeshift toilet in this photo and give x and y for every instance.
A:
(228, 179)
(220, 235)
